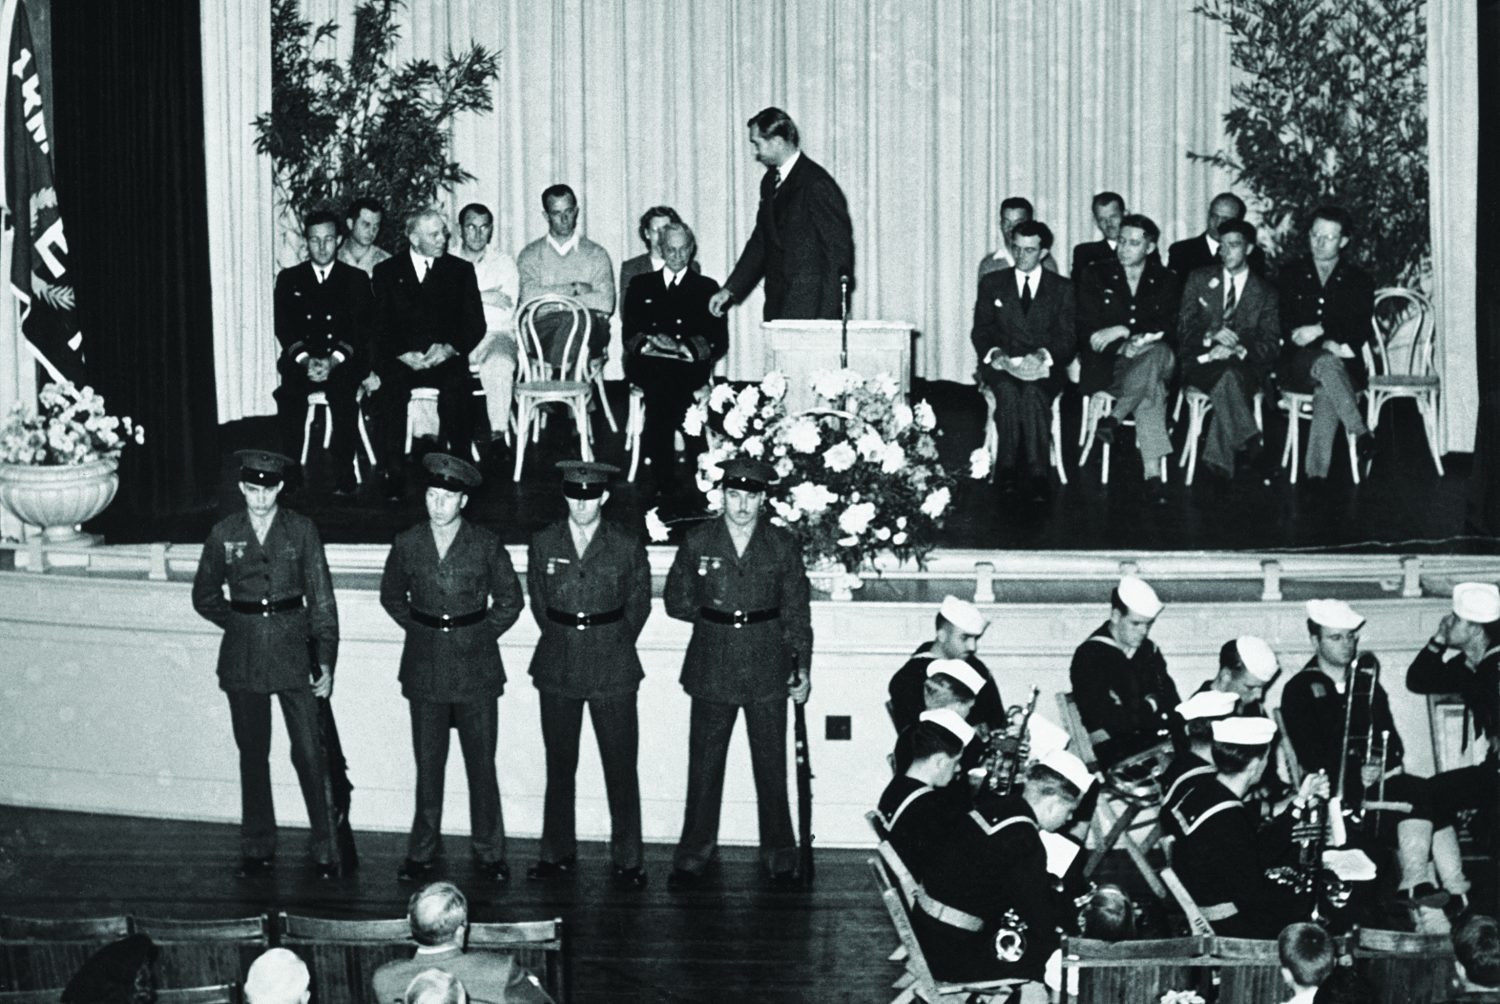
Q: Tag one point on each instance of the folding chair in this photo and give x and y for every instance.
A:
(1248, 970)
(194, 953)
(1197, 923)
(1404, 966)
(1132, 972)
(222, 993)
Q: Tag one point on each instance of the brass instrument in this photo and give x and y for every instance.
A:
(1006, 750)
(1372, 752)
(1308, 878)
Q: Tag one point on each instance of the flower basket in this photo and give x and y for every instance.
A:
(58, 499)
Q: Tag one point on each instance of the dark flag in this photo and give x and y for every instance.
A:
(39, 274)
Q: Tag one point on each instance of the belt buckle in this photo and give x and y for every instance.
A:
(741, 618)
(265, 606)
(447, 626)
(582, 620)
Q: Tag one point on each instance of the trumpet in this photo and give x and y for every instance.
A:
(1006, 750)
(1308, 877)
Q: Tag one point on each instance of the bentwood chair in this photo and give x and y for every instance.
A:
(1399, 358)
(540, 383)
(992, 434)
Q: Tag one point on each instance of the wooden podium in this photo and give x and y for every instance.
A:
(802, 349)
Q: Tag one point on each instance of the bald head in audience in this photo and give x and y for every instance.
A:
(438, 914)
(278, 976)
(433, 986)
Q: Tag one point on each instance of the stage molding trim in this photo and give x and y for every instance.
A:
(110, 704)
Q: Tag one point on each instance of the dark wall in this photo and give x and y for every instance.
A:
(1484, 509)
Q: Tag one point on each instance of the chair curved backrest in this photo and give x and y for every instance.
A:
(1403, 328)
(532, 360)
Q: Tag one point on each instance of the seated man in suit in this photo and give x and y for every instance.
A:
(1024, 335)
(439, 918)
(672, 341)
(566, 263)
(1127, 322)
(494, 358)
(1187, 256)
(323, 317)
(1326, 302)
(430, 317)
(1013, 210)
(1228, 336)
(915, 817)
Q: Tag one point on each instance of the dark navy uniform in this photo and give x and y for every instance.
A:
(1473, 787)
(907, 702)
(752, 629)
(1127, 697)
(454, 608)
(1342, 305)
(918, 820)
(591, 608)
(280, 624)
(1105, 299)
(989, 881)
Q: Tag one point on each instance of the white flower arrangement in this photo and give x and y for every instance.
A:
(69, 427)
(1182, 997)
(859, 475)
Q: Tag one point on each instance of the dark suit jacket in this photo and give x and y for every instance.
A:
(259, 654)
(1256, 321)
(412, 315)
(1343, 306)
(330, 319)
(802, 242)
(1104, 300)
(741, 665)
(612, 574)
(640, 265)
(461, 663)
(1091, 253)
(1186, 257)
(681, 312)
(999, 322)
(489, 977)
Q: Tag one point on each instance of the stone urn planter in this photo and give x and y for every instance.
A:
(58, 499)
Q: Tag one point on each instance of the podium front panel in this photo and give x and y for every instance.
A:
(803, 349)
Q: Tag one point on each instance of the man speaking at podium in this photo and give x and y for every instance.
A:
(803, 242)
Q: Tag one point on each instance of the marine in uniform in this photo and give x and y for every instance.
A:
(1119, 677)
(451, 587)
(281, 637)
(959, 626)
(590, 588)
(988, 908)
(741, 583)
(916, 818)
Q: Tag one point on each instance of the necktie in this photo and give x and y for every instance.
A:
(776, 174)
(1230, 302)
(1026, 295)
(426, 267)
(321, 275)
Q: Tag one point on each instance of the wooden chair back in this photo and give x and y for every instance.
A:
(49, 996)
(541, 946)
(533, 363)
(196, 953)
(1080, 738)
(1249, 970)
(342, 955)
(1404, 966)
(1133, 972)
(39, 952)
(222, 993)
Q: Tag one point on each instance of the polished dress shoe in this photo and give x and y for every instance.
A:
(630, 879)
(253, 867)
(1424, 894)
(545, 870)
(682, 879)
(497, 872)
(327, 870)
(416, 871)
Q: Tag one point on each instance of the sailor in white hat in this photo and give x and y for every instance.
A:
(1219, 856)
(1340, 686)
(1194, 761)
(1119, 676)
(916, 817)
(960, 625)
(988, 909)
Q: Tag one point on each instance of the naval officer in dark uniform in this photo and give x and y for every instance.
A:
(451, 586)
(590, 589)
(281, 636)
(742, 584)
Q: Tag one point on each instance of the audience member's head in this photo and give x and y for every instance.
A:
(1133, 608)
(951, 683)
(1054, 786)
(560, 206)
(1013, 211)
(930, 750)
(1242, 745)
(1328, 233)
(1247, 665)
(438, 914)
(1033, 228)
(1476, 947)
(278, 976)
(1306, 954)
(362, 221)
(1225, 207)
(1109, 915)
(1345, 986)
(652, 222)
(118, 973)
(433, 986)
(427, 232)
(1109, 210)
(476, 225)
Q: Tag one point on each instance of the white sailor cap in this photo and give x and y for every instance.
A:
(1207, 704)
(950, 721)
(1244, 731)
(1335, 614)
(1477, 602)
(1067, 765)
(963, 615)
(958, 670)
(1138, 597)
(1257, 657)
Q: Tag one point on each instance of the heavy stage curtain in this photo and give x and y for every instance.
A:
(130, 166)
(1484, 483)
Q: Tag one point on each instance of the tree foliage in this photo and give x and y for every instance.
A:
(340, 130)
(1330, 107)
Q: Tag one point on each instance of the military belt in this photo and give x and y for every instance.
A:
(738, 618)
(950, 915)
(265, 606)
(446, 622)
(582, 620)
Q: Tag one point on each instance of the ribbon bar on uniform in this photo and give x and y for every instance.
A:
(265, 606)
(738, 618)
(582, 620)
(446, 622)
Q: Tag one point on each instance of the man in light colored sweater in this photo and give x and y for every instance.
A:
(566, 263)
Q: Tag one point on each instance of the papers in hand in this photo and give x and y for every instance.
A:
(1349, 865)
(663, 351)
(1148, 338)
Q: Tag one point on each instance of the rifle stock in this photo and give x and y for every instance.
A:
(804, 795)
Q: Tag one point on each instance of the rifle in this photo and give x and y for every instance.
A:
(339, 789)
(804, 795)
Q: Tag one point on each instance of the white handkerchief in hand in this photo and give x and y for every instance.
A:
(1350, 865)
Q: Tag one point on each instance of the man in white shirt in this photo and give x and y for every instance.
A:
(362, 223)
(494, 358)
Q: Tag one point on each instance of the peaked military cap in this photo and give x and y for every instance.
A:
(748, 474)
(262, 467)
(445, 471)
(585, 479)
